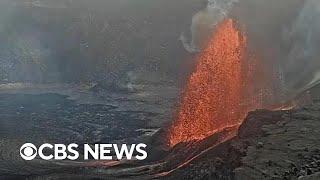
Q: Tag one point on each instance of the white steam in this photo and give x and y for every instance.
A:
(302, 68)
(298, 61)
(204, 22)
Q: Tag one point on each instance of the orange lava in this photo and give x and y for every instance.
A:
(216, 93)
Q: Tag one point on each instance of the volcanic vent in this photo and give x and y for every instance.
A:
(217, 93)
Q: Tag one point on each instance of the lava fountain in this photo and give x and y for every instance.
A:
(217, 91)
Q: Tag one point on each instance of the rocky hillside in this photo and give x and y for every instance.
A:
(269, 145)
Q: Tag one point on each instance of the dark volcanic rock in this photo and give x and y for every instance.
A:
(269, 145)
(252, 126)
(290, 146)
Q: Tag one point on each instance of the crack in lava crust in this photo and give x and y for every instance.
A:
(215, 93)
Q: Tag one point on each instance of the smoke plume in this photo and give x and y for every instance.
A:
(204, 22)
(283, 34)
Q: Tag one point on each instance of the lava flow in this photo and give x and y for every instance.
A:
(216, 91)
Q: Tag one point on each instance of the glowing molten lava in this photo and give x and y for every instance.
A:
(214, 96)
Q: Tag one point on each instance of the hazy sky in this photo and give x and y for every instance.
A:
(287, 29)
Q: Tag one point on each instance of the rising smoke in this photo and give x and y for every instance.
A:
(302, 63)
(97, 39)
(285, 34)
(204, 22)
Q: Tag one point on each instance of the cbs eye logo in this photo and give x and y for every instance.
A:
(28, 151)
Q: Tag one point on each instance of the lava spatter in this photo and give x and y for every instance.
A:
(215, 93)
